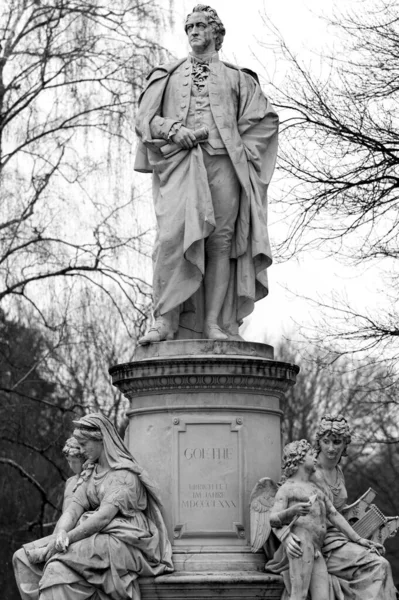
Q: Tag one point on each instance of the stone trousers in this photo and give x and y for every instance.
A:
(225, 191)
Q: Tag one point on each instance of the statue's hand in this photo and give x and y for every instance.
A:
(62, 541)
(185, 138)
(373, 546)
(50, 550)
(301, 508)
(293, 546)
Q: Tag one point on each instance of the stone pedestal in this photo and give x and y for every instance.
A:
(205, 420)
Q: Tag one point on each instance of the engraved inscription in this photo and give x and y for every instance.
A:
(208, 453)
(209, 489)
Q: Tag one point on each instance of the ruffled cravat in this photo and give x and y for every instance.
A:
(200, 73)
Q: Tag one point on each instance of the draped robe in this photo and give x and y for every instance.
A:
(105, 565)
(248, 126)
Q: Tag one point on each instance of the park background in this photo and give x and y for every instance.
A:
(77, 225)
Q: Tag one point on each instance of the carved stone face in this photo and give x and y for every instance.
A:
(309, 462)
(91, 449)
(332, 446)
(75, 464)
(201, 36)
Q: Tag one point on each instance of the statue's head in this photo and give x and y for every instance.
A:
(206, 14)
(295, 454)
(333, 429)
(90, 440)
(74, 455)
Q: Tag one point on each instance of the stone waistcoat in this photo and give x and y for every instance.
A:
(200, 115)
(214, 107)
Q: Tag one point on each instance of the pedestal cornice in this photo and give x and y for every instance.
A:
(168, 367)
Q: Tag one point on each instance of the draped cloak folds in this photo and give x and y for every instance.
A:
(134, 543)
(248, 127)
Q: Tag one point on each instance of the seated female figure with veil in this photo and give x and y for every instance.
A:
(29, 563)
(111, 532)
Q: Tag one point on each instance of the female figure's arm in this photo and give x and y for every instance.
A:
(70, 517)
(93, 524)
(342, 524)
(65, 523)
(120, 494)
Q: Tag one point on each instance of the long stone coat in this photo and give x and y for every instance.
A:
(248, 126)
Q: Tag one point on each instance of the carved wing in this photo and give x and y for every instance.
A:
(261, 501)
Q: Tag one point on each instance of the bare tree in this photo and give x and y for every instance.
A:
(365, 393)
(70, 72)
(33, 419)
(79, 357)
(340, 158)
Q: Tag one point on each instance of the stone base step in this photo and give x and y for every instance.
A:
(240, 585)
(238, 561)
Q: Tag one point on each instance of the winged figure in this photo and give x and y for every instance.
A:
(261, 502)
(300, 509)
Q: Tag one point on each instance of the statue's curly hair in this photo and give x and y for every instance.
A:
(335, 426)
(72, 448)
(213, 19)
(293, 455)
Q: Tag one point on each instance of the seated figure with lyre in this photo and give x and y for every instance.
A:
(354, 572)
(298, 511)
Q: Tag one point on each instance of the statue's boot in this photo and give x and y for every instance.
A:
(160, 331)
(212, 331)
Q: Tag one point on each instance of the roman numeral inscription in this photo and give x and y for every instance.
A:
(199, 503)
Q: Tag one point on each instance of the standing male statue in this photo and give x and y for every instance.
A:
(212, 248)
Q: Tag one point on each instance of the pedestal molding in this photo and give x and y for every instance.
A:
(202, 347)
(243, 408)
(269, 368)
(224, 373)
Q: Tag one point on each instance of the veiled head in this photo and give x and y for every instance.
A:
(84, 433)
(95, 431)
(89, 438)
(95, 428)
(213, 20)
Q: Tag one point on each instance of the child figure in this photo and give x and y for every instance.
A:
(28, 574)
(75, 460)
(300, 499)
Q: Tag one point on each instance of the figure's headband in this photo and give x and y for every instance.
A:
(86, 430)
(336, 425)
